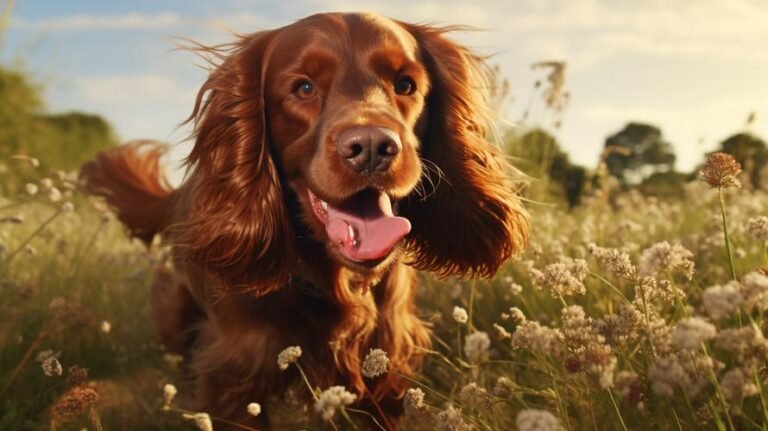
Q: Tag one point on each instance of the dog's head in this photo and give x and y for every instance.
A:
(375, 127)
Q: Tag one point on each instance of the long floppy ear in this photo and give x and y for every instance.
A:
(473, 220)
(237, 224)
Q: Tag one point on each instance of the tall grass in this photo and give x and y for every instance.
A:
(621, 315)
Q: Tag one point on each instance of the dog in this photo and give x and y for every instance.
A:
(333, 158)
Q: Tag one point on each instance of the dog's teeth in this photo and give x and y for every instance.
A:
(324, 205)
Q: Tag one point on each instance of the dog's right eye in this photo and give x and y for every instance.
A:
(305, 90)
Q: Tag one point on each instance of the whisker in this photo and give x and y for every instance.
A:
(430, 167)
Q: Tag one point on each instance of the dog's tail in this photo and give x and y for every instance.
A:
(133, 183)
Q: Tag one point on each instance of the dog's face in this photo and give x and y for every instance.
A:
(349, 112)
(343, 103)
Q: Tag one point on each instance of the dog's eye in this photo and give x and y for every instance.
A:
(305, 90)
(405, 85)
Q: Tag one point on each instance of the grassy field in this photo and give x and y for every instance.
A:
(625, 313)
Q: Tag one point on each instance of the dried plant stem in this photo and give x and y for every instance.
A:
(471, 306)
(24, 360)
(312, 391)
(618, 412)
(378, 409)
(213, 418)
(32, 236)
(725, 233)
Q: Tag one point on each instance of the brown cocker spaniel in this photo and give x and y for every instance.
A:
(332, 158)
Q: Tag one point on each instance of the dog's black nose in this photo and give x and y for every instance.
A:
(369, 148)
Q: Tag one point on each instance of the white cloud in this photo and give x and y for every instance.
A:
(81, 22)
(130, 88)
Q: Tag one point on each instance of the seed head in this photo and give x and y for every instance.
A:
(254, 409)
(375, 363)
(460, 315)
(757, 228)
(52, 367)
(691, 332)
(73, 403)
(721, 171)
(202, 420)
(333, 398)
(169, 392)
(537, 420)
(31, 189)
(288, 356)
(413, 401)
(476, 346)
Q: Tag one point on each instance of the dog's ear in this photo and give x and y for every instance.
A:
(237, 225)
(473, 220)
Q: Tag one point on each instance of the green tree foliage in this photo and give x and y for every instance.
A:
(665, 185)
(637, 152)
(60, 141)
(20, 103)
(751, 152)
(539, 155)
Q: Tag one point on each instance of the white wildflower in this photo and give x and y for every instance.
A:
(172, 359)
(473, 395)
(288, 356)
(691, 332)
(722, 301)
(755, 291)
(333, 398)
(202, 420)
(561, 278)
(537, 420)
(617, 261)
(45, 354)
(254, 409)
(413, 401)
(52, 367)
(757, 228)
(502, 331)
(169, 392)
(450, 419)
(736, 385)
(538, 338)
(664, 256)
(515, 315)
(476, 346)
(503, 387)
(31, 189)
(105, 327)
(375, 363)
(460, 315)
(54, 195)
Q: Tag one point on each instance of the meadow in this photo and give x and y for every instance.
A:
(627, 312)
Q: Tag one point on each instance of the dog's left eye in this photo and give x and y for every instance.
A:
(305, 90)
(405, 85)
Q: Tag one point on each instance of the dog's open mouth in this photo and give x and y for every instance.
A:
(363, 225)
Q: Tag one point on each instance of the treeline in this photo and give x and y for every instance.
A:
(57, 140)
(636, 157)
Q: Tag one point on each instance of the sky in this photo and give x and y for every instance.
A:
(695, 69)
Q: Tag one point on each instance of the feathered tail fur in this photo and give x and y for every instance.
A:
(132, 181)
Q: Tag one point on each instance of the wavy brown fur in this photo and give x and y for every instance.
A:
(253, 269)
(130, 178)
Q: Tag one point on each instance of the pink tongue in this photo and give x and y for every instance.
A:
(364, 226)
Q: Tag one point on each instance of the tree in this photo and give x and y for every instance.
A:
(637, 152)
(538, 154)
(751, 152)
(62, 141)
(19, 103)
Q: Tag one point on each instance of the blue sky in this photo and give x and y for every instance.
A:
(694, 68)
